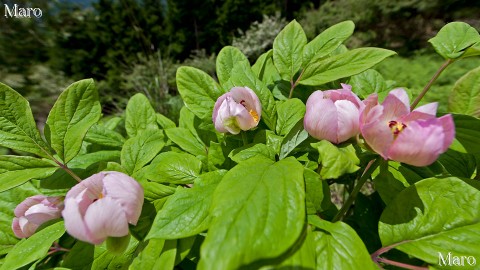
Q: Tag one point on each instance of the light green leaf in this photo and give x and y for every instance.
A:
(467, 132)
(186, 140)
(227, 58)
(389, 182)
(294, 138)
(139, 115)
(105, 260)
(242, 154)
(164, 122)
(453, 39)
(186, 213)
(288, 49)
(304, 258)
(74, 112)
(258, 213)
(465, 96)
(472, 51)
(343, 65)
(154, 191)
(16, 170)
(339, 247)
(336, 160)
(198, 90)
(368, 82)
(436, 215)
(147, 258)
(289, 113)
(317, 193)
(17, 126)
(140, 150)
(175, 168)
(325, 43)
(33, 248)
(260, 65)
(101, 135)
(215, 155)
(84, 161)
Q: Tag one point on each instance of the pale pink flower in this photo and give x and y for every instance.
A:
(333, 114)
(239, 109)
(416, 138)
(101, 206)
(33, 212)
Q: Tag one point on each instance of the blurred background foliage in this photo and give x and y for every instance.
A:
(131, 46)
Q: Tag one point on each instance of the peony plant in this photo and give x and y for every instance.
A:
(277, 164)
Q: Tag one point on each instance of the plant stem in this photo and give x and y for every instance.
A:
(294, 84)
(371, 166)
(375, 257)
(403, 265)
(244, 138)
(429, 84)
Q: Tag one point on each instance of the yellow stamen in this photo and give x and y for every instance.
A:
(254, 115)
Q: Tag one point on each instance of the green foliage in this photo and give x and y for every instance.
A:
(454, 38)
(465, 96)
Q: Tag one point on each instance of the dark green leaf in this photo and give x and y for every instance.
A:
(317, 193)
(467, 132)
(289, 113)
(288, 49)
(294, 138)
(453, 39)
(186, 140)
(139, 115)
(336, 160)
(140, 150)
(368, 82)
(164, 122)
(465, 96)
(227, 59)
(242, 154)
(175, 168)
(101, 135)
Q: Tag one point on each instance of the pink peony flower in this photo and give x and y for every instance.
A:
(101, 206)
(333, 114)
(239, 109)
(33, 212)
(416, 138)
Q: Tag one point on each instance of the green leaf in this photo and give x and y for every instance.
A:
(33, 248)
(389, 182)
(80, 256)
(294, 138)
(186, 140)
(465, 97)
(288, 50)
(343, 65)
(139, 115)
(174, 168)
(336, 160)
(16, 170)
(105, 260)
(317, 193)
(103, 136)
(74, 112)
(215, 155)
(338, 246)
(453, 39)
(243, 76)
(148, 258)
(84, 161)
(368, 82)
(227, 59)
(467, 132)
(17, 127)
(186, 213)
(164, 122)
(258, 149)
(289, 113)
(436, 215)
(154, 191)
(458, 164)
(325, 43)
(258, 213)
(198, 90)
(472, 51)
(140, 150)
(261, 64)
(304, 257)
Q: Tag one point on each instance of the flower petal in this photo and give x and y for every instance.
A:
(222, 115)
(74, 222)
(216, 108)
(104, 218)
(92, 184)
(378, 136)
(348, 120)
(449, 130)
(40, 213)
(27, 203)
(16, 228)
(321, 120)
(395, 105)
(251, 99)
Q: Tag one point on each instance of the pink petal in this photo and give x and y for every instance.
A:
(419, 144)
(127, 192)
(344, 94)
(321, 120)
(251, 99)
(449, 129)
(92, 184)
(221, 115)
(104, 218)
(16, 228)
(347, 117)
(369, 103)
(378, 136)
(395, 105)
(75, 224)
(27, 203)
(40, 213)
(218, 103)
(27, 228)
(430, 108)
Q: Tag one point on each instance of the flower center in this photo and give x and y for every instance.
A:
(396, 127)
(253, 113)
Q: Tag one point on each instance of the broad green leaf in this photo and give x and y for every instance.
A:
(243, 76)
(198, 90)
(80, 256)
(186, 140)
(105, 260)
(317, 193)
(453, 39)
(186, 213)
(436, 215)
(389, 182)
(327, 41)
(472, 51)
(154, 191)
(465, 96)
(8, 201)
(304, 258)
(215, 155)
(166, 260)
(260, 65)
(368, 82)
(258, 213)
(84, 161)
(294, 138)
(17, 127)
(33, 248)
(140, 150)
(227, 58)
(338, 246)
(164, 122)
(242, 154)
(288, 49)
(343, 65)
(336, 160)
(458, 164)
(174, 168)
(111, 122)
(467, 132)
(139, 115)
(289, 113)
(147, 259)
(16, 170)
(74, 112)
(101, 135)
